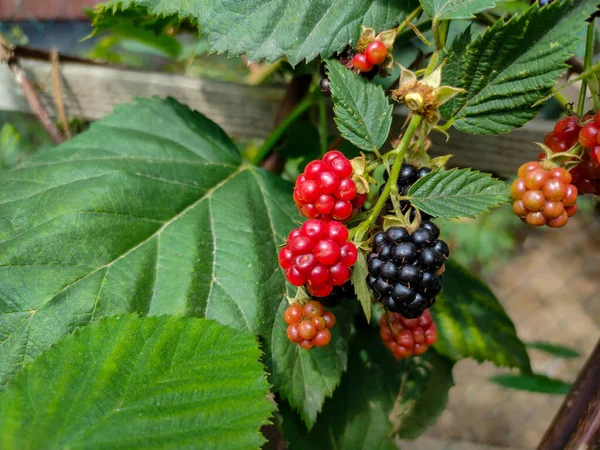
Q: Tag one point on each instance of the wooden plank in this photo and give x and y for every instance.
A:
(90, 92)
(245, 112)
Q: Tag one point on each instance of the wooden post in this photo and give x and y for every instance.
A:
(576, 425)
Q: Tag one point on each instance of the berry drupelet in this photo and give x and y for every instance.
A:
(405, 270)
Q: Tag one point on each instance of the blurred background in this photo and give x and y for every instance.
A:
(548, 280)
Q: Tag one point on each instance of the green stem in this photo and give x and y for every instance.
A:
(276, 134)
(412, 16)
(259, 77)
(440, 33)
(407, 35)
(560, 98)
(322, 124)
(399, 152)
(587, 62)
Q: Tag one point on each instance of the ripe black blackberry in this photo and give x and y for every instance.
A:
(403, 268)
(407, 177)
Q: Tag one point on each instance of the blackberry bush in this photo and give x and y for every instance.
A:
(174, 258)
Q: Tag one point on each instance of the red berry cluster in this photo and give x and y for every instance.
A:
(543, 197)
(586, 176)
(374, 54)
(319, 256)
(309, 326)
(567, 132)
(407, 337)
(325, 190)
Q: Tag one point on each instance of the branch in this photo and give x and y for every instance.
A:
(58, 101)
(31, 94)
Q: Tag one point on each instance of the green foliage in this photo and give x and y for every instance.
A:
(300, 30)
(532, 383)
(471, 323)
(559, 351)
(362, 112)
(358, 415)
(452, 9)
(150, 211)
(485, 243)
(12, 147)
(129, 382)
(511, 66)
(423, 395)
(306, 377)
(137, 25)
(457, 193)
(359, 282)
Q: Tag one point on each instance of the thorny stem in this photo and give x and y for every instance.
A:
(29, 91)
(587, 62)
(398, 152)
(276, 134)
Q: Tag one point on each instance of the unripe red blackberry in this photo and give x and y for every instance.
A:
(319, 256)
(407, 337)
(309, 325)
(325, 190)
(543, 197)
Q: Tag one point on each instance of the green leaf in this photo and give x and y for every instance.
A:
(362, 112)
(457, 193)
(130, 382)
(306, 377)
(150, 211)
(511, 66)
(12, 147)
(135, 24)
(299, 30)
(424, 394)
(532, 383)
(359, 281)
(559, 351)
(455, 9)
(358, 415)
(471, 323)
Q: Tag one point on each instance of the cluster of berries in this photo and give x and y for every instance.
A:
(405, 269)
(318, 255)
(309, 325)
(408, 175)
(326, 190)
(375, 54)
(543, 197)
(586, 175)
(407, 337)
(567, 133)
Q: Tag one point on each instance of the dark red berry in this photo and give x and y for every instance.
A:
(407, 337)
(376, 52)
(589, 134)
(361, 64)
(567, 129)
